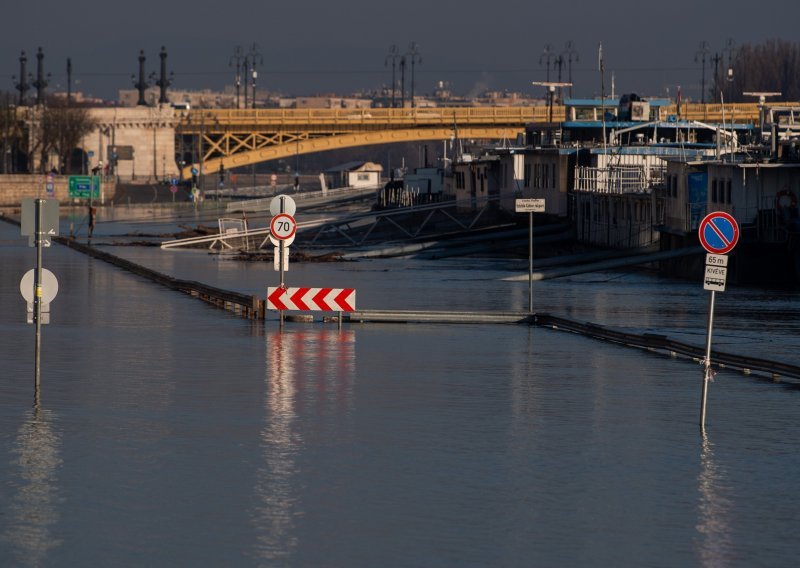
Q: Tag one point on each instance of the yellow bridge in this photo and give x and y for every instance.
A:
(233, 138)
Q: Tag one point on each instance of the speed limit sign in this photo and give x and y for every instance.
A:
(283, 226)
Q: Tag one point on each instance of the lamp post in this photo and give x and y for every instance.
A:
(40, 83)
(163, 82)
(255, 59)
(402, 81)
(701, 55)
(23, 86)
(730, 47)
(413, 54)
(236, 61)
(547, 55)
(716, 60)
(394, 55)
(254, 76)
(729, 78)
(141, 84)
(560, 64)
(570, 53)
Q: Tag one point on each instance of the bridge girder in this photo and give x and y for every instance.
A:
(233, 151)
(234, 138)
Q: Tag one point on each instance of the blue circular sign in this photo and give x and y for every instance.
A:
(718, 232)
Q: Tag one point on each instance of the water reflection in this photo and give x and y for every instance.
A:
(526, 392)
(34, 506)
(715, 542)
(303, 369)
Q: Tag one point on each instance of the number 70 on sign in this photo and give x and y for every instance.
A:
(283, 226)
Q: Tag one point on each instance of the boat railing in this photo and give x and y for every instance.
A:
(618, 179)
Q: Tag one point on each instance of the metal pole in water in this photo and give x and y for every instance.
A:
(530, 262)
(37, 292)
(707, 363)
(280, 261)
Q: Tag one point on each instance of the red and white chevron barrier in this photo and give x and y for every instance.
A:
(312, 299)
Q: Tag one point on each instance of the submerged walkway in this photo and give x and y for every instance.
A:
(253, 307)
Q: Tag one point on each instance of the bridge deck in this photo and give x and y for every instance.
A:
(238, 137)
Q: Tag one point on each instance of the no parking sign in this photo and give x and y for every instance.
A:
(718, 232)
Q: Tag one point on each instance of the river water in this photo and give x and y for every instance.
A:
(172, 433)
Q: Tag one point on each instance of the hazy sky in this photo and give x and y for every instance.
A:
(317, 47)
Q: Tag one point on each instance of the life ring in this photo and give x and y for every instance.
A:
(788, 194)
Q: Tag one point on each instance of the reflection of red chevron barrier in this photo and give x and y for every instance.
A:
(312, 299)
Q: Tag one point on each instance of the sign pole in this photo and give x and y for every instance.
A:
(707, 362)
(37, 295)
(282, 229)
(280, 260)
(718, 234)
(530, 206)
(530, 262)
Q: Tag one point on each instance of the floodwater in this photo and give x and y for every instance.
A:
(172, 433)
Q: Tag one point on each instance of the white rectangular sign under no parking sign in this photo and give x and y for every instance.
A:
(714, 278)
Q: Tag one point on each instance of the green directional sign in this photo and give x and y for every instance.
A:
(84, 187)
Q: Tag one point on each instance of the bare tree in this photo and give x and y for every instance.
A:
(9, 133)
(771, 66)
(63, 127)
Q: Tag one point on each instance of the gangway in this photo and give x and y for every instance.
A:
(357, 228)
(229, 230)
(304, 199)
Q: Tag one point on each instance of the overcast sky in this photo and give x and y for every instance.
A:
(315, 47)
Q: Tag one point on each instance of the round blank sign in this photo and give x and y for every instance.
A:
(282, 204)
(49, 286)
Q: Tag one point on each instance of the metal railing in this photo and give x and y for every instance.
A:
(262, 203)
(655, 342)
(220, 120)
(618, 179)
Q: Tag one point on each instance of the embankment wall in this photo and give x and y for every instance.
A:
(15, 188)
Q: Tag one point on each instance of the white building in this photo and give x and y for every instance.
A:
(354, 174)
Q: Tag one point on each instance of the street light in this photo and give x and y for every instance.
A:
(23, 86)
(163, 81)
(730, 47)
(547, 55)
(730, 85)
(255, 59)
(413, 54)
(40, 83)
(701, 54)
(394, 55)
(141, 84)
(570, 52)
(238, 61)
(402, 81)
